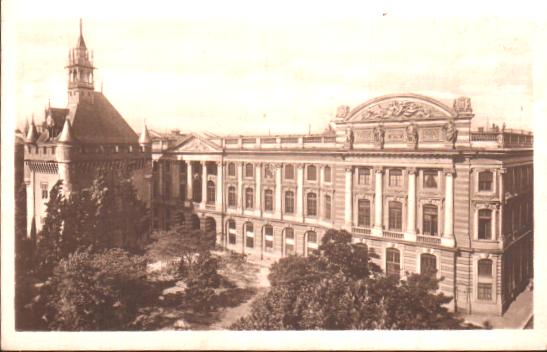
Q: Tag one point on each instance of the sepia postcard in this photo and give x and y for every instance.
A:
(273, 176)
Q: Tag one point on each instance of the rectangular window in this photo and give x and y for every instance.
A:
(268, 200)
(484, 291)
(231, 196)
(268, 240)
(485, 224)
(430, 220)
(167, 167)
(430, 179)
(428, 265)
(231, 238)
(363, 213)
(328, 207)
(249, 242)
(363, 176)
(327, 174)
(395, 178)
(289, 202)
(393, 262)
(45, 190)
(485, 181)
(395, 216)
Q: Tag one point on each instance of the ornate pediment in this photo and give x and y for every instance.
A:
(198, 145)
(406, 107)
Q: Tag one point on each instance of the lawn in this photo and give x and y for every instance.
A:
(241, 282)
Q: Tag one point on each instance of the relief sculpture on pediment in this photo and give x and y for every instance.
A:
(397, 109)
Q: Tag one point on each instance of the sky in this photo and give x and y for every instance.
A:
(267, 68)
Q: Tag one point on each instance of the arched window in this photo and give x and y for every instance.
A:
(231, 232)
(485, 224)
(485, 181)
(327, 174)
(311, 243)
(484, 280)
(312, 173)
(289, 172)
(249, 235)
(289, 202)
(210, 192)
(395, 177)
(231, 169)
(232, 197)
(249, 170)
(430, 218)
(393, 262)
(395, 216)
(289, 241)
(328, 207)
(363, 212)
(268, 238)
(312, 204)
(428, 265)
(268, 200)
(249, 198)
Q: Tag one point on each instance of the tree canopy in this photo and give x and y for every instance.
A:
(341, 289)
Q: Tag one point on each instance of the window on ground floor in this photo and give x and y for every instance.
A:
(393, 262)
(428, 265)
(268, 238)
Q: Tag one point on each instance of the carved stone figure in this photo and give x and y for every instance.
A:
(397, 109)
(450, 132)
(350, 138)
(379, 133)
(342, 112)
(462, 104)
(412, 135)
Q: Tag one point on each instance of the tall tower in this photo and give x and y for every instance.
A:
(80, 72)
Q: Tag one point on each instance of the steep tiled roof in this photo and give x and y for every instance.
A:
(98, 122)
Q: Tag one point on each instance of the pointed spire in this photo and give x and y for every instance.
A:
(27, 126)
(66, 133)
(145, 136)
(32, 134)
(81, 42)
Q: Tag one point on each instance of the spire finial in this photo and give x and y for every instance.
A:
(80, 26)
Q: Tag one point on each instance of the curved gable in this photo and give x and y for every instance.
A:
(400, 107)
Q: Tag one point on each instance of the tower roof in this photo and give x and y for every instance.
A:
(145, 136)
(81, 42)
(96, 121)
(66, 133)
(32, 134)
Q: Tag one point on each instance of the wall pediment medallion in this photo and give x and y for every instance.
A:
(405, 107)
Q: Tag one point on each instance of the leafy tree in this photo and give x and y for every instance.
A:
(341, 289)
(51, 245)
(95, 291)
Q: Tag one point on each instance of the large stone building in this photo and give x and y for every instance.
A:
(402, 173)
(73, 143)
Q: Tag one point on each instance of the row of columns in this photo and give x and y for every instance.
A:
(410, 233)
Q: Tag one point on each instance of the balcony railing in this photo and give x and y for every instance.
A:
(361, 230)
(393, 234)
(287, 141)
(504, 139)
(428, 239)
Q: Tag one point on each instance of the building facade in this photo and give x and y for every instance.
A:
(73, 143)
(404, 174)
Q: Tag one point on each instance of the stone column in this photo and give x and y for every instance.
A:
(410, 234)
(240, 205)
(278, 191)
(203, 184)
(189, 181)
(378, 202)
(348, 209)
(448, 231)
(258, 189)
(502, 202)
(300, 192)
(220, 186)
